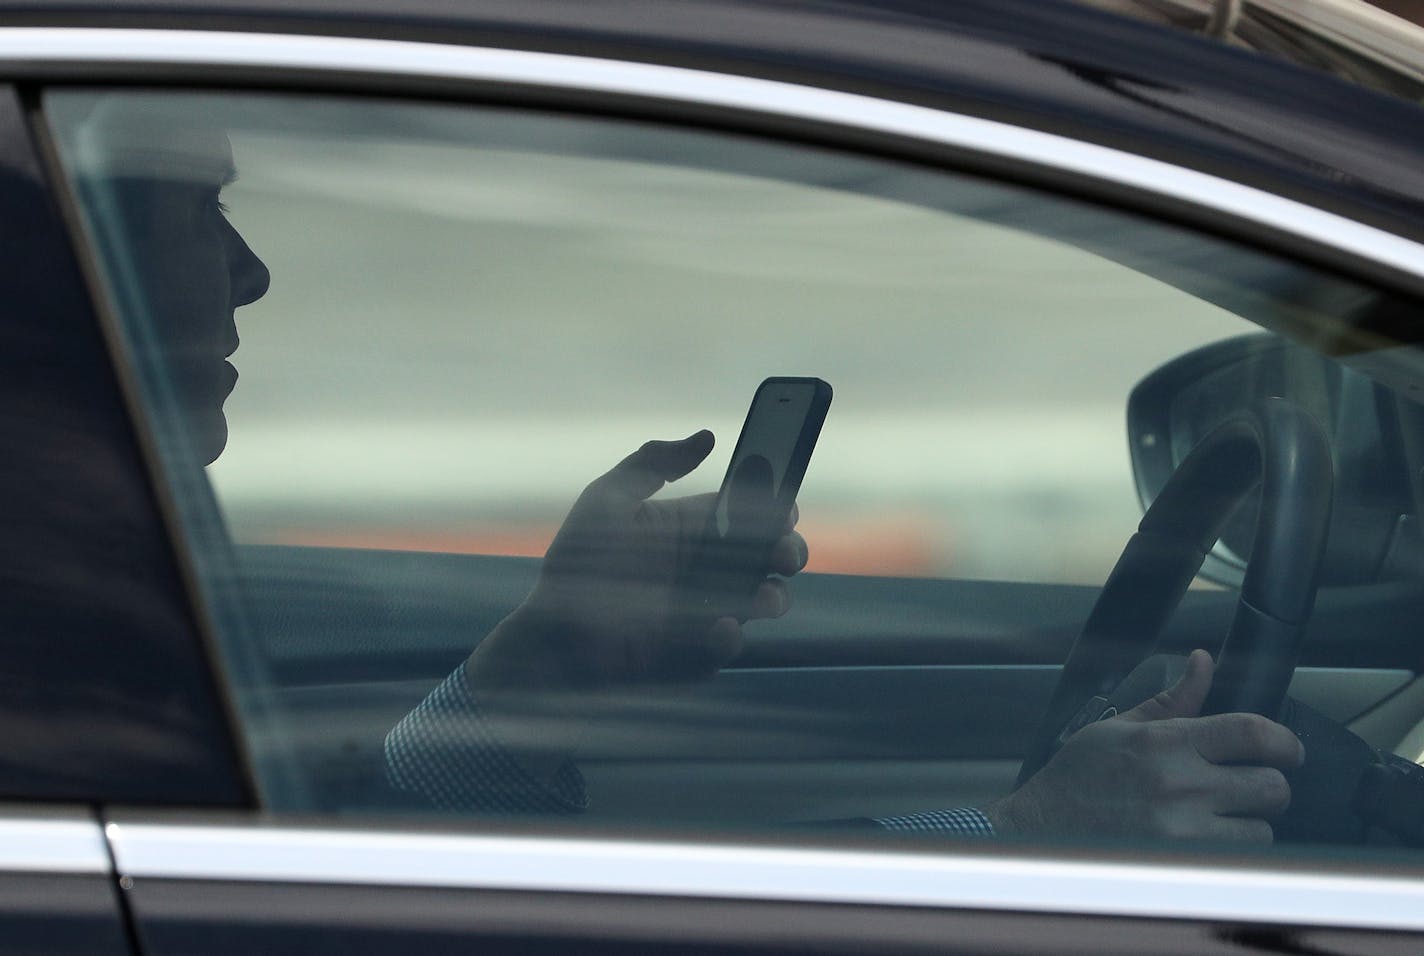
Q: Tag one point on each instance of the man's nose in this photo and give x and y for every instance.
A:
(250, 278)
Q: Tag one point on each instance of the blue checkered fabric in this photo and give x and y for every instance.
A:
(965, 821)
(445, 751)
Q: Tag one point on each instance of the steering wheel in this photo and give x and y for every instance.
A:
(1274, 444)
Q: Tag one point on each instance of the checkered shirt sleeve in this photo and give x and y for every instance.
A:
(445, 752)
(965, 821)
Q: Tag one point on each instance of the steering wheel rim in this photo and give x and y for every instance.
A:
(1275, 444)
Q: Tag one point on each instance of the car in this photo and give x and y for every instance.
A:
(298, 660)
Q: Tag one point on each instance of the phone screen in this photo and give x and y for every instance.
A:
(757, 494)
(756, 478)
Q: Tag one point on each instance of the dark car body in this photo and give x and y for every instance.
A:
(135, 822)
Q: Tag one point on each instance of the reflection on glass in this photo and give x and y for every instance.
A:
(475, 313)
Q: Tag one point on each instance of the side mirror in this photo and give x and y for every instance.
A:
(1374, 534)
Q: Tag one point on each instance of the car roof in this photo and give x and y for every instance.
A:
(1352, 39)
(1048, 64)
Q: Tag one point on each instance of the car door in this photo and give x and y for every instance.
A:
(490, 301)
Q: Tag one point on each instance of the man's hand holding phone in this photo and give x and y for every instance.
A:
(605, 611)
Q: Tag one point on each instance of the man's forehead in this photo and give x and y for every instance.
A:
(150, 138)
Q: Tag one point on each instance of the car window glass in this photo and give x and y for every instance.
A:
(449, 321)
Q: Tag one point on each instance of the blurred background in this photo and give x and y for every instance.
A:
(474, 313)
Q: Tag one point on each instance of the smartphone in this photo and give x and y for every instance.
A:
(756, 497)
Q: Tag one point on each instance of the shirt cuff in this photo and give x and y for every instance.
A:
(446, 751)
(965, 821)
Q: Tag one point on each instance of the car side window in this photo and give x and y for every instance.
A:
(444, 393)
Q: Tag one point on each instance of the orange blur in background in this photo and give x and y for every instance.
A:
(898, 546)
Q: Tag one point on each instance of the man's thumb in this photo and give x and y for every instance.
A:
(1182, 699)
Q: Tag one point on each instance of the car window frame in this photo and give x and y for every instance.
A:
(358, 77)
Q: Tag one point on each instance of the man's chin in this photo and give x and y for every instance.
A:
(209, 437)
